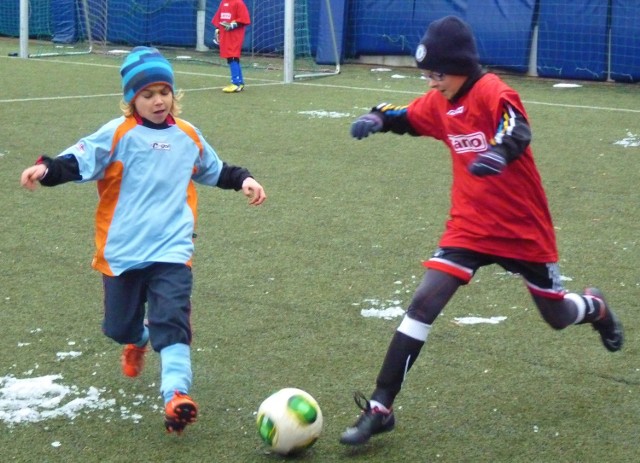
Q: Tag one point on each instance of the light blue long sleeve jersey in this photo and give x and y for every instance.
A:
(147, 201)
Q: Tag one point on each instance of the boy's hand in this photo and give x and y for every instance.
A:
(254, 191)
(364, 125)
(487, 163)
(31, 175)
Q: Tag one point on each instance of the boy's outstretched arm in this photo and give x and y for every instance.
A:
(238, 178)
(383, 118)
(254, 191)
(51, 171)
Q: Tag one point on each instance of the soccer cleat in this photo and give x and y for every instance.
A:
(233, 88)
(607, 325)
(371, 421)
(132, 360)
(180, 411)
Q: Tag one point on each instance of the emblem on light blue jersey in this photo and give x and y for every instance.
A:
(161, 146)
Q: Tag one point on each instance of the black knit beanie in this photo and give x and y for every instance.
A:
(448, 46)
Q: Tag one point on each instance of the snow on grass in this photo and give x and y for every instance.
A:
(29, 400)
(478, 320)
(323, 113)
(630, 141)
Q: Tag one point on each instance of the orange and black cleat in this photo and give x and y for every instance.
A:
(180, 411)
(132, 360)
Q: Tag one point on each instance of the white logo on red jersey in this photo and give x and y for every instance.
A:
(454, 112)
(474, 142)
(225, 15)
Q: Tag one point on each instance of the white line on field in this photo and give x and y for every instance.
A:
(119, 94)
(408, 92)
(117, 66)
(599, 108)
(272, 82)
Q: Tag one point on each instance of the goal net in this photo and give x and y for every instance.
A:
(290, 34)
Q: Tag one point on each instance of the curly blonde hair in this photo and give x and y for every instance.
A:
(129, 109)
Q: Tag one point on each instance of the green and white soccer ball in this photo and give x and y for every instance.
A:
(289, 421)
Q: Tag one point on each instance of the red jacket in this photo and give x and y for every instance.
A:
(505, 215)
(231, 41)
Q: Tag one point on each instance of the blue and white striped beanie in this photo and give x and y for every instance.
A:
(142, 67)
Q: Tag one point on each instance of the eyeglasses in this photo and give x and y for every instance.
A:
(437, 76)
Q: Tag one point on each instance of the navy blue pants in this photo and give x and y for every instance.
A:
(165, 289)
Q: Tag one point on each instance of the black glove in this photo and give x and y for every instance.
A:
(487, 163)
(364, 125)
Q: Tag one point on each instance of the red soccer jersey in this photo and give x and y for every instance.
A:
(505, 215)
(231, 41)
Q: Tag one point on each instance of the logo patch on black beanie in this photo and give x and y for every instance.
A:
(421, 53)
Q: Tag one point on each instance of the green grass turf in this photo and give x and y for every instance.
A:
(279, 289)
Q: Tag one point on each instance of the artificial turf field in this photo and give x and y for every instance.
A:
(280, 289)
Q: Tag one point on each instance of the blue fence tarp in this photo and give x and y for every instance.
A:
(572, 40)
(333, 12)
(503, 30)
(577, 39)
(64, 21)
(155, 22)
(625, 41)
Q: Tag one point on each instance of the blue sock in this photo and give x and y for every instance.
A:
(240, 78)
(176, 370)
(236, 73)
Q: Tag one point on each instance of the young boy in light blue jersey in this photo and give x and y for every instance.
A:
(145, 164)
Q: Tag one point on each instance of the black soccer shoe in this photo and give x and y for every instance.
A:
(371, 421)
(608, 325)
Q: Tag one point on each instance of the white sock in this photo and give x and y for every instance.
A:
(580, 305)
(414, 329)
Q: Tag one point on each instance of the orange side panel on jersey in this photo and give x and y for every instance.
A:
(109, 192)
(189, 130)
(128, 124)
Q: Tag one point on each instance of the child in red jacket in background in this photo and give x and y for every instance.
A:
(230, 21)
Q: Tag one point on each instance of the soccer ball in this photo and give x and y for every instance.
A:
(289, 421)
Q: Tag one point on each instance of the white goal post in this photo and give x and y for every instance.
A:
(25, 12)
(277, 38)
(289, 44)
(24, 29)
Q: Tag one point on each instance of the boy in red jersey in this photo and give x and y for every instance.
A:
(230, 21)
(499, 212)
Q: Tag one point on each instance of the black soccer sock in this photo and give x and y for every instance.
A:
(401, 354)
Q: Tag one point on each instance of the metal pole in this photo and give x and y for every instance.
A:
(24, 29)
(200, 22)
(289, 38)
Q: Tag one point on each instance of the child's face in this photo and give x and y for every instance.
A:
(154, 102)
(446, 84)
